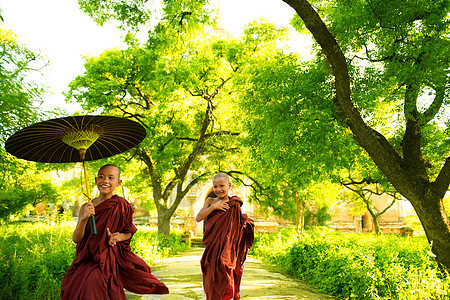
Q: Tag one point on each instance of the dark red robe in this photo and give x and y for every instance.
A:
(100, 271)
(228, 237)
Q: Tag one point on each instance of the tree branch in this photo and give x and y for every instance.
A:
(256, 182)
(387, 207)
(182, 193)
(440, 185)
(435, 106)
(377, 146)
(146, 99)
(156, 180)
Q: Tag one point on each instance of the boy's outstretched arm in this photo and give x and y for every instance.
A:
(116, 237)
(209, 208)
(86, 210)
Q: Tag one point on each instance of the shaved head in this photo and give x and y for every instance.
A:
(222, 175)
(110, 165)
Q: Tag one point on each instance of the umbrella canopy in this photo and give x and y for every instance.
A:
(68, 139)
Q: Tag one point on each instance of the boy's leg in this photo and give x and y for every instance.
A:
(229, 293)
(94, 286)
(237, 273)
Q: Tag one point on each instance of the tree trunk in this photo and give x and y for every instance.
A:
(407, 174)
(300, 207)
(165, 212)
(432, 215)
(297, 214)
(163, 223)
(374, 216)
(302, 218)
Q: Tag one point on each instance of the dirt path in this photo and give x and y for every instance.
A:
(182, 275)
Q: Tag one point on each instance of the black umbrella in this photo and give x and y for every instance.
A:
(75, 139)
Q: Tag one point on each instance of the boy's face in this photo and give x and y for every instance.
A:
(221, 186)
(108, 179)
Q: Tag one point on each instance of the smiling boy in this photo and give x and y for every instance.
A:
(229, 234)
(104, 264)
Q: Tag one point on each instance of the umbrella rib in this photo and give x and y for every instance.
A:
(35, 145)
(119, 140)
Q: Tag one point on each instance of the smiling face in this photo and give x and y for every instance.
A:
(221, 186)
(107, 180)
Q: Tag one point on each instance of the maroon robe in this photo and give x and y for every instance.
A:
(227, 242)
(100, 271)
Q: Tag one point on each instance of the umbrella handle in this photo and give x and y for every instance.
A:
(93, 226)
(91, 218)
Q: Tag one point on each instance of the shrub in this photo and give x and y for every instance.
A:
(352, 266)
(153, 248)
(35, 256)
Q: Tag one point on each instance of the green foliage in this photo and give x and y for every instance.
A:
(131, 13)
(179, 86)
(15, 201)
(18, 94)
(35, 256)
(319, 216)
(296, 144)
(153, 248)
(352, 266)
(135, 14)
(21, 184)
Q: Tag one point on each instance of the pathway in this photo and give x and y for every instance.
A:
(183, 277)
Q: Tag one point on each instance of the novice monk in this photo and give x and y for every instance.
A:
(104, 264)
(228, 236)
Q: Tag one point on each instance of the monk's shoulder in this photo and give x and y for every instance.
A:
(211, 200)
(237, 199)
(122, 201)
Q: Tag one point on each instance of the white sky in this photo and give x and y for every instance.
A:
(63, 34)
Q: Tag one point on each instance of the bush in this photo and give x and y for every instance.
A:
(153, 248)
(352, 266)
(35, 256)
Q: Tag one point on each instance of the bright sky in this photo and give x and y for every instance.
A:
(63, 34)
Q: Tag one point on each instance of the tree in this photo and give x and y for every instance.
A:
(404, 45)
(176, 86)
(365, 189)
(19, 99)
(292, 147)
(19, 96)
(135, 15)
(365, 181)
(20, 198)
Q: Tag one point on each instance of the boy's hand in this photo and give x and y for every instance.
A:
(113, 238)
(86, 211)
(221, 205)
